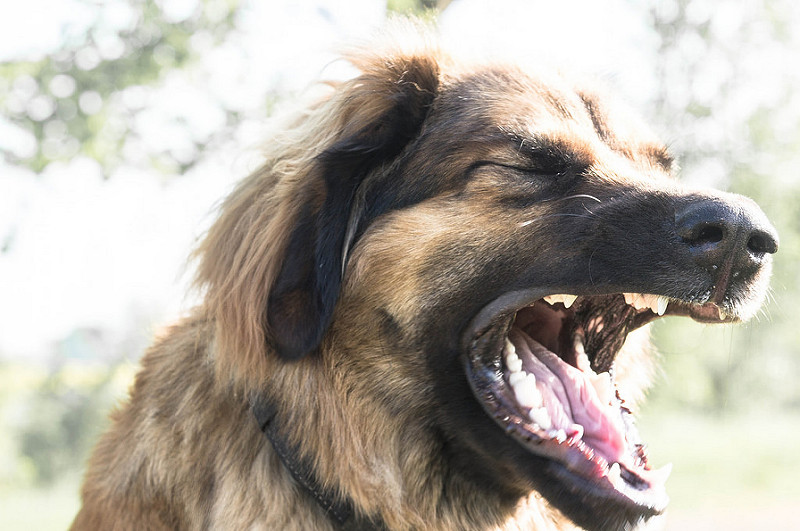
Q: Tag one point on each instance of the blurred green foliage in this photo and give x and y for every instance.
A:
(417, 7)
(83, 98)
(739, 132)
(53, 415)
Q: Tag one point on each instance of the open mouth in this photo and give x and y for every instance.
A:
(542, 366)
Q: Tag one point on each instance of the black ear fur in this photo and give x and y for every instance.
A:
(305, 292)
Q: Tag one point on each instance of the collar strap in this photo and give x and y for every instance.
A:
(339, 510)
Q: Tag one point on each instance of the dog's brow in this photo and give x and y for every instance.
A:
(539, 148)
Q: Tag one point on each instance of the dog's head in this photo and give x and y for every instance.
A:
(484, 240)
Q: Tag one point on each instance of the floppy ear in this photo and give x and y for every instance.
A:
(382, 111)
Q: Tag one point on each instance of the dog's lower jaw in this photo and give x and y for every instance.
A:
(534, 512)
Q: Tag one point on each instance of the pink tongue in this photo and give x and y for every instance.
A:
(571, 398)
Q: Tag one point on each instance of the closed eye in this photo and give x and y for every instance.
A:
(548, 157)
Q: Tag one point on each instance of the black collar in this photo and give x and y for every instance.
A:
(339, 510)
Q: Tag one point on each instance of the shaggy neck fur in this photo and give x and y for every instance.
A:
(339, 509)
(380, 475)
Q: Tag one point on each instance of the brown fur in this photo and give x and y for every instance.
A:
(185, 452)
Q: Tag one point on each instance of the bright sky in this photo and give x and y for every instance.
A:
(93, 253)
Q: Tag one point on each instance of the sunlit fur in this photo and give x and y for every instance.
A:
(185, 452)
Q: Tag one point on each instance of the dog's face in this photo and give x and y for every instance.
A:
(523, 191)
(478, 245)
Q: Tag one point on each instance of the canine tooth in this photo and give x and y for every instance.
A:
(614, 475)
(662, 305)
(569, 300)
(541, 417)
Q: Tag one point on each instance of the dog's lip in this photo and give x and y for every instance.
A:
(643, 489)
(573, 462)
(503, 307)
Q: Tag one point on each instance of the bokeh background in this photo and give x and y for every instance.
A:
(123, 122)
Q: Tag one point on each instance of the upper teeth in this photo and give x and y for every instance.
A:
(566, 299)
(662, 305)
(656, 303)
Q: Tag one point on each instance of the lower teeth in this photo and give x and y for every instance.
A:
(541, 418)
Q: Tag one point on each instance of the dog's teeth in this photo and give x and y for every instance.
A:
(515, 378)
(526, 393)
(553, 299)
(581, 359)
(651, 301)
(603, 386)
(633, 299)
(575, 431)
(614, 475)
(509, 348)
(541, 417)
(662, 305)
(658, 304)
(566, 300)
(514, 364)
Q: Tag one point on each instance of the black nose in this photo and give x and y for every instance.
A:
(730, 235)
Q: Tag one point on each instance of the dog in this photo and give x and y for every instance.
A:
(427, 309)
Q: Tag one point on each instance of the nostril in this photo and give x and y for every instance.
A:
(710, 234)
(761, 243)
(705, 233)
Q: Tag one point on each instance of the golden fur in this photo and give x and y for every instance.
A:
(185, 452)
